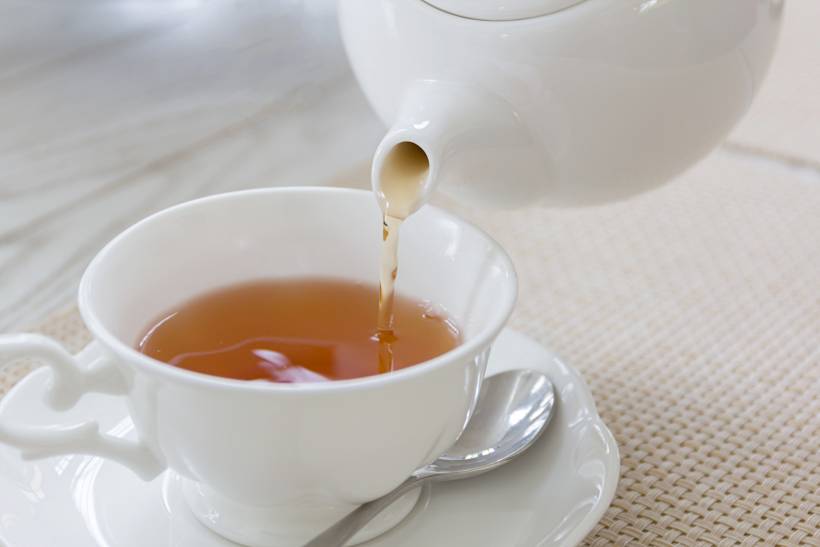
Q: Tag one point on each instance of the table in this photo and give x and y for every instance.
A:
(691, 310)
(123, 108)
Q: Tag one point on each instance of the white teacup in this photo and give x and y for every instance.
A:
(272, 464)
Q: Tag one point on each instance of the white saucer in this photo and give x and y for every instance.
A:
(552, 495)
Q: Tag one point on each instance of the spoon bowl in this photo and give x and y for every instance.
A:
(512, 411)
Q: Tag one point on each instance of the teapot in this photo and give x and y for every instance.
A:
(560, 102)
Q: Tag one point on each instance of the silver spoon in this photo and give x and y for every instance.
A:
(513, 409)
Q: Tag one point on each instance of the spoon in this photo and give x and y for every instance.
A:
(512, 411)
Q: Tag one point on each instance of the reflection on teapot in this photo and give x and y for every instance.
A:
(563, 102)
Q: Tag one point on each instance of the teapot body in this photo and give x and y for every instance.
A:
(592, 103)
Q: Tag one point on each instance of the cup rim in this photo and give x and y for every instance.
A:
(197, 379)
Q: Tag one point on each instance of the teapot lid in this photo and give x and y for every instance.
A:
(501, 10)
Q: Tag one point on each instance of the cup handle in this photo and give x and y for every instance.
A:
(72, 376)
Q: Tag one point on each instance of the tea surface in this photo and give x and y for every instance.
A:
(296, 330)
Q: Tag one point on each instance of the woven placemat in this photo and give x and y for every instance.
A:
(694, 313)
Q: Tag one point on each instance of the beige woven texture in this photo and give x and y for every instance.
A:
(694, 313)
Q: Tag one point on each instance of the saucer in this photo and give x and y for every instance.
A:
(552, 495)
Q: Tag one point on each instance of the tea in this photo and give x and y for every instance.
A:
(403, 174)
(296, 330)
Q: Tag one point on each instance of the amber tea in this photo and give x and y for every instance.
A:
(296, 330)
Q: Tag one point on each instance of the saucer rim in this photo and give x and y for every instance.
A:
(612, 451)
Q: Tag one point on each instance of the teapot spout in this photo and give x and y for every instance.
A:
(467, 142)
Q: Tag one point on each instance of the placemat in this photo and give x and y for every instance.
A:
(694, 313)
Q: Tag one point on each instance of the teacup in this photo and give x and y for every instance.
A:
(270, 464)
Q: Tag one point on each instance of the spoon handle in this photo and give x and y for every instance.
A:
(338, 534)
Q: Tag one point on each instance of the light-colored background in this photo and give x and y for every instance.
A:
(112, 109)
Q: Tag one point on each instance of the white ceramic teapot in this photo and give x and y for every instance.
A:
(562, 102)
